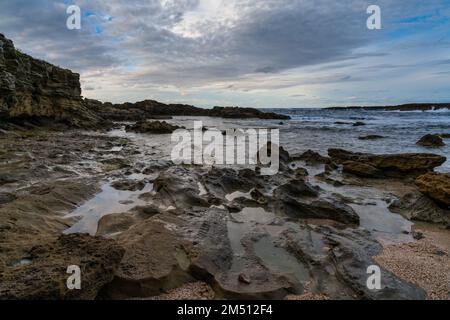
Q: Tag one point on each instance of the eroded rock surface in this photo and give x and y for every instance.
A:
(395, 165)
(436, 186)
(431, 141)
(42, 274)
(36, 91)
(155, 127)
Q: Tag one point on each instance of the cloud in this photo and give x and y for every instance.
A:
(151, 47)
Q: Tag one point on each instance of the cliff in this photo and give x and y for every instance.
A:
(36, 91)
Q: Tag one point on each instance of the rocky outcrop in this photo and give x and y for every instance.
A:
(417, 207)
(151, 109)
(155, 127)
(244, 113)
(43, 274)
(380, 166)
(32, 90)
(436, 186)
(431, 141)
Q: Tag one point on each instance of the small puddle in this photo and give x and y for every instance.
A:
(373, 212)
(108, 201)
(257, 215)
(383, 223)
(22, 262)
(280, 261)
(244, 223)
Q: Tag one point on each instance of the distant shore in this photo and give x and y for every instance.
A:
(402, 107)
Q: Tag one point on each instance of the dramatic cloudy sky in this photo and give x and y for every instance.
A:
(260, 53)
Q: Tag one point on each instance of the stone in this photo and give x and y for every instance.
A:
(436, 186)
(155, 127)
(431, 141)
(128, 185)
(389, 165)
(244, 278)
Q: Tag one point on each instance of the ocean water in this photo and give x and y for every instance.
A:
(318, 129)
(321, 129)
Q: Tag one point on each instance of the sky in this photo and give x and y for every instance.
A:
(249, 53)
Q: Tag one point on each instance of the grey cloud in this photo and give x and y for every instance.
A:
(139, 47)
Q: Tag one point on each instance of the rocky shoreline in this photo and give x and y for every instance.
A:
(101, 195)
(300, 232)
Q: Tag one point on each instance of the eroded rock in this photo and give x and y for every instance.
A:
(391, 165)
(436, 186)
(431, 140)
(155, 127)
(44, 276)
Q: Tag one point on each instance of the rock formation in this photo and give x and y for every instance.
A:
(436, 186)
(155, 127)
(391, 165)
(431, 140)
(36, 91)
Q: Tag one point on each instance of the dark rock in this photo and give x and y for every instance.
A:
(342, 122)
(128, 185)
(178, 187)
(371, 137)
(431, 140)
(391, 165)
(315, 209)
(417, 207)
(155, 127)
(244, 278)
(244, 113)
(361, 169)
(297, 188)
(150, 109)
(312, 157)
(418, 235)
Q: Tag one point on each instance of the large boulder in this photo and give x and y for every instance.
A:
(436, 186)
(431, 141)
(388, 165)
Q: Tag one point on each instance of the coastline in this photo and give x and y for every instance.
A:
(92, 184)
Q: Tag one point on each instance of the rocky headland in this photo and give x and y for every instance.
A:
(141, 227)
(402, 107)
